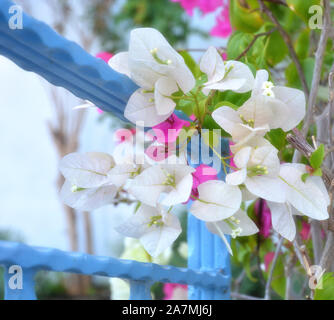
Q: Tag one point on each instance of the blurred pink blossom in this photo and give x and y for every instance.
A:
(105, 56)
(264, 217)
(305, 232)
(206, 6)
(202, 174)
(169, 130)
(267, 260)
(223, 27)
(123, 135)
(175, 291)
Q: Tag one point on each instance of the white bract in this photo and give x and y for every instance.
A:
(155, 228)
(310, 197)
(158, 69)
(258, 168)
(166, 184)
(222, 76)
(216, 201)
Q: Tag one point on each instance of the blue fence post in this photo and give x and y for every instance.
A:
(207, 252)
(19, 283)
(140, 290)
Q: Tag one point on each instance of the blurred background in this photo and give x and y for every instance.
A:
(38, 126)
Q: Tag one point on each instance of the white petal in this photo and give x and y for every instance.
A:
(218, 201)
(164, 87)
(184, 77)
(306, 197)
(294, 99)
(87, 199)
(160, 238)
(242, 157)
(237, 177)
(282, 220)
(184, 183)
(227, 118)
(120, 63)
(137, 224)
(246, 224)
(268, 188)
(121, 173)
(241, 72)
(140, 108)
(266, 156)
(261, 77)
(212, 65)
(148, 186)
(87, 170)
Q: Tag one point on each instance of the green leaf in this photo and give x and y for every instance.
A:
(317, 172)
(276, 49)
(278, 281)
(301, 7)
(325, 289)
(237, 44)
(244, 16)
(293, 77)
(191, 64)
(305, 176)
(277, 137)
(317, 157)
(302, 44)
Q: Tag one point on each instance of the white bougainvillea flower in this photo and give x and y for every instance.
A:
(87, 199)
(292, 101)
(158, 69)
(259, 168)
(241, 128)
(236, 226)
(232, 75)
(149, 52)
(216, 201)
(167, 184)
(155, 228)
(141, 109)
(87, 170)
(282, 219)
(310, 197)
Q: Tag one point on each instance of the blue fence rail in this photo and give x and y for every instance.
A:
(38, 48)
(141, 275)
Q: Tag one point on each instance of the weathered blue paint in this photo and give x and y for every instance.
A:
(33, 259)
(40, 49)
(206, 251)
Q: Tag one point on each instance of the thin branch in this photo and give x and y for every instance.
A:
(319, 57)
(272, 269)
(262, 34)
(289, 44)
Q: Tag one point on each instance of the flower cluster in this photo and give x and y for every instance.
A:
(177, 103)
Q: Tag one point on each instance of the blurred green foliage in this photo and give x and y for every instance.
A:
(112, 26)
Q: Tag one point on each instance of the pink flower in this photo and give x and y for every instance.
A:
(305, 232)
(207, 6)
(175, 291)
(264, 217)
(169, 130)
(268, 258)
(105, 56)
(232, 164)
(188, 5)
(123, 135)
(223, 26)
(202, 174)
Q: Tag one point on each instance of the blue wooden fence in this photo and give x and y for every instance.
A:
(38, 48)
